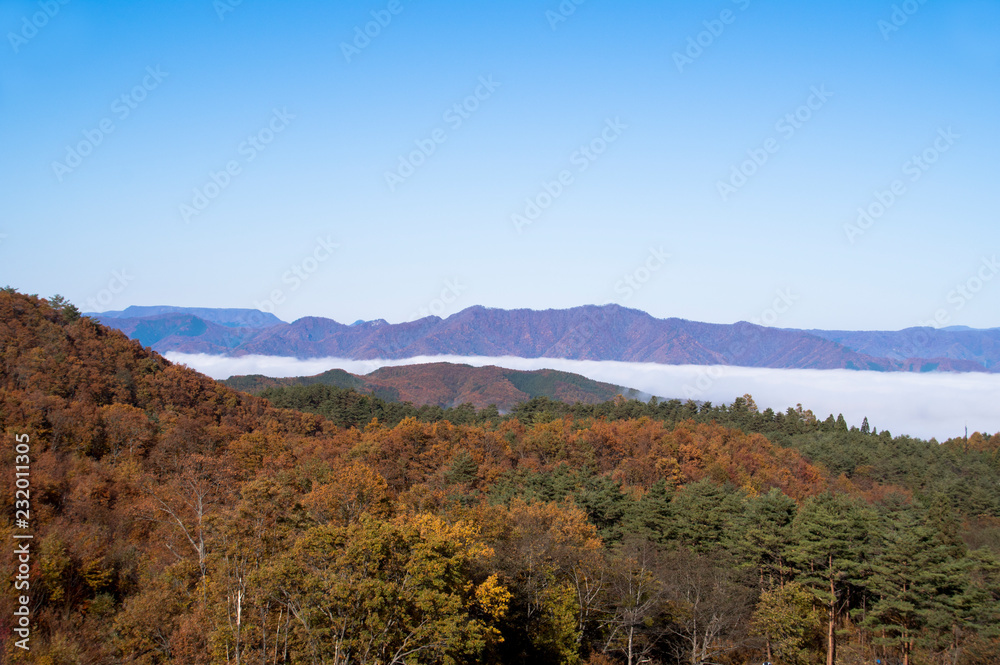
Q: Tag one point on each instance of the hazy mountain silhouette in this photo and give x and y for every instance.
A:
(608, 332)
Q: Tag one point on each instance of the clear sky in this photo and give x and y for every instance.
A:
(705, 160)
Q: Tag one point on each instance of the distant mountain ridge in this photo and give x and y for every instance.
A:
(608, 332)
(451, 384)
(230, 317)
(959, 344)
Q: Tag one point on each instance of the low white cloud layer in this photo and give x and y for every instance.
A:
(925, 405)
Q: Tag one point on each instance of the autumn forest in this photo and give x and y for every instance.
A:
(175, 520)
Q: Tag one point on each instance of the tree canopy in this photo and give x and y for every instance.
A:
(176, 520)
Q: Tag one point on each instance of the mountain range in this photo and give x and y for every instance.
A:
(608, 332)
(450, 384)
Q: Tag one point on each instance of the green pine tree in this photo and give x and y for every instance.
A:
(763, 535)
(917, 582)
(831, 541)
(706, 514)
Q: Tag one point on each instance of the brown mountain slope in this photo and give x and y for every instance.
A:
(451, 384)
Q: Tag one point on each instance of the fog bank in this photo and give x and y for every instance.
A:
(925, 405)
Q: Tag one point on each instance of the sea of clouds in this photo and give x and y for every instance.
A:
(927, 405)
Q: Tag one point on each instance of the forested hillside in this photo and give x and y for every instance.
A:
(176, 520)
(450, 384)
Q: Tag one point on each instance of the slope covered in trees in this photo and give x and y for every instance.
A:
(176, 520)
(451, 384)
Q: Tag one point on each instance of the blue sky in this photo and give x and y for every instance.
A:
(646, 128)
